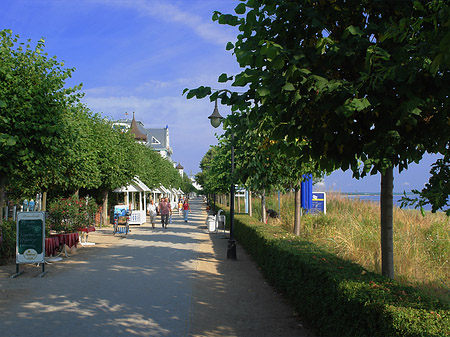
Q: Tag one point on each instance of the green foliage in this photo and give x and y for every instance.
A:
(354, 79)
(187, 186)
(8, 244)
(69, 215)
(436, 191)
(51, 142)
(34, 102)
(335, 296)
(216, 169)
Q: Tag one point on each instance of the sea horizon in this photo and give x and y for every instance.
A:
(375, 197)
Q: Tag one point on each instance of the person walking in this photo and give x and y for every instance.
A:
(180, 206)
(152, 212)
(186, 209)
(165, 210)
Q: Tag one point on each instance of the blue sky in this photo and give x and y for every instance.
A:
(139, 55)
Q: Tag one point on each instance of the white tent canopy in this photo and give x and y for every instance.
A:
(138, 206)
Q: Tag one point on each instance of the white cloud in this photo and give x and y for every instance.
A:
(190, 131)
(169, 12)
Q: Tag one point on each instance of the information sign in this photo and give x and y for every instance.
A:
(319, 203)
(30, 237)
(121, 210)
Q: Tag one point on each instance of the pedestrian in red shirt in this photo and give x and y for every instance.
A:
(186, 209)
(165, 210)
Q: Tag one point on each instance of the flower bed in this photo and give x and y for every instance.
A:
(69, 215)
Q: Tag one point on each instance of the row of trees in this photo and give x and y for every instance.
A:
(51, 142)
(360, 85)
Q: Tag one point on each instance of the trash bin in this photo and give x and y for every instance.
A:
(221, 221)
(211, 223)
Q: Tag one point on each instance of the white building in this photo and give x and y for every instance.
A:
(156, 138)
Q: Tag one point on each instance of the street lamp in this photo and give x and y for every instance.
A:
(216, 119)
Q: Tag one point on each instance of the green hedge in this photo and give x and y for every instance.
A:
(8, 244)
(337, 297)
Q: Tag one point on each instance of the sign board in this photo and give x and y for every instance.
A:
(121, 210)
(30, 237)
(319, 203)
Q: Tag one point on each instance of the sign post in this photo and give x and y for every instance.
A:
(30, 240)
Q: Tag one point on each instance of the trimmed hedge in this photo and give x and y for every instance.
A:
(337, 297)
(8, 243)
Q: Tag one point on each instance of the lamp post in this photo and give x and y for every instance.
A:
(216, 119)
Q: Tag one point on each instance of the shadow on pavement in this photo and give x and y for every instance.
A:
(231, 298)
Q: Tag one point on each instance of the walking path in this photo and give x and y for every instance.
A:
(154, 282)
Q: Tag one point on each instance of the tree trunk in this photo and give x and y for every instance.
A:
(250, 208)
(298, 211)
(44, 201)
(263, 206)
(387, 228)
(279, 202)
(105, 209)
(2, 196)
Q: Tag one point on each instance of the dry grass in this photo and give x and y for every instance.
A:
(351, 228)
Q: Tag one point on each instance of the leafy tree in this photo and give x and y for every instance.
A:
(436, 191)
(340, 75)
(264, 164)
(80, 167)
(115, 151)
(150, 169)
(216, 169)
(431, 26)
(33, 101)
(187, 186)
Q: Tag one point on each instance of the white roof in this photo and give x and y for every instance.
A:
(164, 190)
(136, 186)
(157, 190)
(129, 188)
(141, 185)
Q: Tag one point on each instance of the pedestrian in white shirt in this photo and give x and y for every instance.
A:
(152, 212)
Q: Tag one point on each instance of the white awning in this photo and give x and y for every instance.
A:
(141, 185)
(129, 188)
(164, 190)
(136, 186)
(157, 190)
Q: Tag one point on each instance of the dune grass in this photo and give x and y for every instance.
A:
(351, 229)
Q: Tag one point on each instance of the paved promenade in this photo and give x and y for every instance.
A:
(155, 282)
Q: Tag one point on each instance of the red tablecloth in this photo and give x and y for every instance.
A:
(69, 239)
(51, 246)
(55, 241)
(88, 229)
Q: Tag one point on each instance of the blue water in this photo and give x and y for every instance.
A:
(376, 198)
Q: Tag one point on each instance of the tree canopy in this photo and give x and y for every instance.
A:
(359, 81)
(49, 141)
(33, 102)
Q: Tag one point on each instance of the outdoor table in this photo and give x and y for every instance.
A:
(67, 240)
(51, 246)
